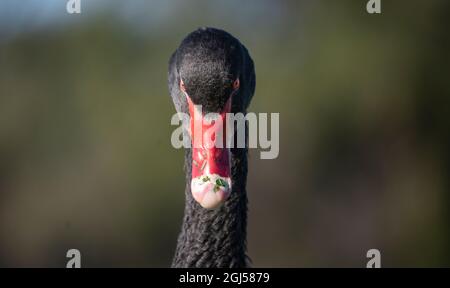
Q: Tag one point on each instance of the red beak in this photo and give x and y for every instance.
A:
(211, 181)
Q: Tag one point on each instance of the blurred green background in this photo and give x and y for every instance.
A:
(85, 154)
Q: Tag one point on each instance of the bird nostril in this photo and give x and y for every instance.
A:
(201, 155)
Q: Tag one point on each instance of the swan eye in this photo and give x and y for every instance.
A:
(236, 84)
(182, 86)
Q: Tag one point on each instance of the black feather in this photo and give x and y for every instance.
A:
(209, 60)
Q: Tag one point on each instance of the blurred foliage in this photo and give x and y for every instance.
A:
(86, 160)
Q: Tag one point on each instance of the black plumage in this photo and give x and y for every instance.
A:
(209, 60)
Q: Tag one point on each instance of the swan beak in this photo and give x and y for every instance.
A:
(211, 180)
(211, 192)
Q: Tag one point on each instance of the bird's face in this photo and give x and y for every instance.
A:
(211, 164)
(209, 64)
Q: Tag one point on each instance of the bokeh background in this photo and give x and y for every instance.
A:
(85, 154)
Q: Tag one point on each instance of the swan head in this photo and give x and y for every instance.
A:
(209, 67)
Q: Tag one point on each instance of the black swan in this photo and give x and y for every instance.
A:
(213, 69)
